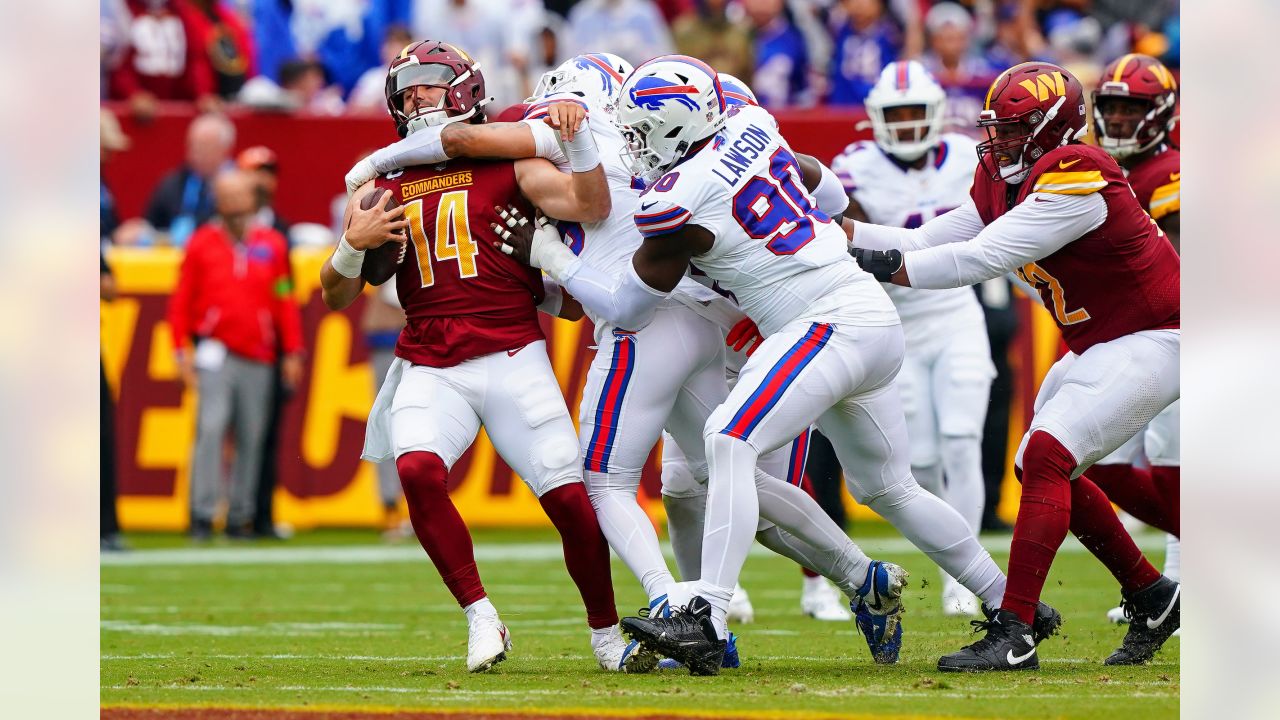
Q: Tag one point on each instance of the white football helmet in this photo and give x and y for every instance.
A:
(736, 92)
(597, 76)
(906, 83)
(665, 106)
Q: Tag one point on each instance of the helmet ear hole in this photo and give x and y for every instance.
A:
(673, 132)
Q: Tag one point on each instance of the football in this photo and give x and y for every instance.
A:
(381, 262)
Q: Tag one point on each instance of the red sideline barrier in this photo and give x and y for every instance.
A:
(316, 151)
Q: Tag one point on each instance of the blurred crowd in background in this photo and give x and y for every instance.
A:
(328, 57)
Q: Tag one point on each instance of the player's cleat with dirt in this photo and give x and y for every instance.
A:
(488, 642)
(1008, 645)
(616, 654)
(686, 636)
(1046, 624)
(1155, 613)
(878, 610)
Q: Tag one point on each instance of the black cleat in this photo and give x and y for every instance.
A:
(1047, 621)
(687, 636)
(1154, 614)
(1008, 645)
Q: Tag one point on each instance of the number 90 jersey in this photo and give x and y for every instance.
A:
(908, 197)
(462, 297)
(782, 258)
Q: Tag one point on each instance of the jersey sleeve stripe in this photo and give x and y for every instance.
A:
(846, 180)
(666, 226)
(660, 216)
(1070, 183)
(1167, 199)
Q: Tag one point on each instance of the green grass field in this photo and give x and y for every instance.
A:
(338, 620)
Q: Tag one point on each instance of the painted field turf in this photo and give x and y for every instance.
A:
(336, 622)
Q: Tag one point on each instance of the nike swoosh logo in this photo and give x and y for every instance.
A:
(646, 206)
(1040, 199)
(1015, 659)
(1063, 164)
(1152, 625)
(512, 353)
(1173, 177)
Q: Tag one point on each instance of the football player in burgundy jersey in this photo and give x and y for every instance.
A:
(1133, 111)
(1062, 215)
(472, 351)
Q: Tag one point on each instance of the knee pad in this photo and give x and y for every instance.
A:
(679, 481)
(558, 462)
(598, 483)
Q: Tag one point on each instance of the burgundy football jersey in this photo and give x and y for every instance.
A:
(1157, 181)
(463, 298)
(1118, 279)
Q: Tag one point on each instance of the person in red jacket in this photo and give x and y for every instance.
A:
(233, 299)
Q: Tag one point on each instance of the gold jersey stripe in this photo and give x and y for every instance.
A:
(1066, 178)
(1166, 200)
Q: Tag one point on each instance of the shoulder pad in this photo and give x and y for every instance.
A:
(1068, 170)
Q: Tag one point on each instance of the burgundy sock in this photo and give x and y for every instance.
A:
(1044, 516)
(438, 525)
(1134, 490)
(1168, 481)
(1094, 522)
(586, 554)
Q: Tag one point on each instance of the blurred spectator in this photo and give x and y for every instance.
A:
(342, 35)
(1074, 41)
(710, 35)
(632, 29)
(111, 141)
(544, 53)
(306, 85)
(113, 40)
(233, 297)
(183, 199)
(964, 75)
(382, 321)
(163, 59)
(225, 41)
(497, 33)
(781, 75)
(996, 297)
(865, 42)
(370, 93)
(261, 164)
(673, 10)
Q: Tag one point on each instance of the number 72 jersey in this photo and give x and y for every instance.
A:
(462, 297)
(782, 259)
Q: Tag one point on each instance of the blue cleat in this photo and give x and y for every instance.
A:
(878, 610)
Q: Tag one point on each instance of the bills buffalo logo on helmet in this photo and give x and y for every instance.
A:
(608, 76)
(651, 93)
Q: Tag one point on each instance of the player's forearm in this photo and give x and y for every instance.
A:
(624, 301)
(337, 290)
(592, 201)
(498, 141)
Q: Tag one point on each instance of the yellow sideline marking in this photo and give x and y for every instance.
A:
(549, 712)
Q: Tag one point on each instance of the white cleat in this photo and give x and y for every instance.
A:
(957, 601)
(740, 610)
(617, 654)
(488, 642)
(821, 601)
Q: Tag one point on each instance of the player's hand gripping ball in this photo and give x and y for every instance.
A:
(380, 263)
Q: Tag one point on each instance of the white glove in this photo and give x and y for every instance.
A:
(360, 174)
(546, 249)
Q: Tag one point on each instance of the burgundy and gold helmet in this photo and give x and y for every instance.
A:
(1031, 109)
(432, 63)
(1147, 81)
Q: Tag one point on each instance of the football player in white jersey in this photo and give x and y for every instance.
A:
(908, 175)
(668, 373)
(725, 192)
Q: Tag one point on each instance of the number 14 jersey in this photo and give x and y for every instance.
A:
(782, 259)
(462, 297)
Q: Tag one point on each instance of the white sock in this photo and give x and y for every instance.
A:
(1173, 558)
(941, 533)
(599, 635)
(630, 533)
(962, 487)
(685, 525)
(480, 607)
(812, 584)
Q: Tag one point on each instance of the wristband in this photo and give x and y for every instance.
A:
(581, 150)
(346, 260)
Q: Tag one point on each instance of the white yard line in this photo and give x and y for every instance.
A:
(530, 552)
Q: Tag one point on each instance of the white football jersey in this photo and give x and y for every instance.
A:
(606, 245)
(910, 198)
(781, 258)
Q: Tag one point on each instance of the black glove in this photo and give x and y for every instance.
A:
(881, 263)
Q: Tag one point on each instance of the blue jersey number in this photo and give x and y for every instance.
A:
(776, 207)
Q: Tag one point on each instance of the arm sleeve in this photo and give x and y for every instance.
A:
(956, 226)
(830, 193)
(625, 301)
(1036, 228)
(423, 147)
(552, 297)
(546, 143)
